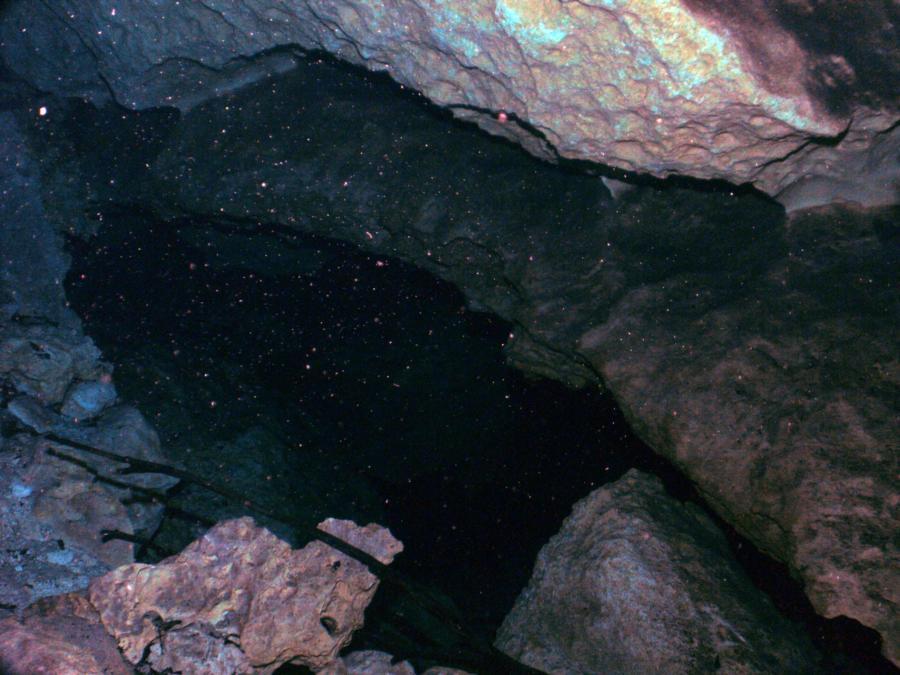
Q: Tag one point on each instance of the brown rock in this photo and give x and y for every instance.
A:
(238, 593)
(636, 582)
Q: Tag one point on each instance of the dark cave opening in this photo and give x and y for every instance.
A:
(323, 381)
(370, 375)
(331, 382)
(336, 383)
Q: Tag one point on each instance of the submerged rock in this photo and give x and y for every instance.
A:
(86, 400)
(371, 662)
(42, 361)
(636, 582)
(757, 352)
(54, 507)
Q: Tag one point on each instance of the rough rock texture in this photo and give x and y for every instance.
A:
(771, 93)
(32, 262)
(237, 600)
(758, 353)
(372, 539)
(61, 635)
(50, 522)
(636, 582)
(52, 510)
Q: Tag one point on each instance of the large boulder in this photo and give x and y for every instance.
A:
(636, 582)
(769, 93)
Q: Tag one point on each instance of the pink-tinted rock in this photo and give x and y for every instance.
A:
(239, 595)
(373, 539)
(636, 582)
(760, 92)
(61, 635)
(369, 662)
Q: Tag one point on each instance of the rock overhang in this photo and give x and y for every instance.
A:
(764, 94)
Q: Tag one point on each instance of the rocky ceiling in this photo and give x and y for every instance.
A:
(757, 352)
(796, 97)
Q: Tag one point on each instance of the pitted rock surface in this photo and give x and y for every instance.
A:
(239, 593)
(690, 87)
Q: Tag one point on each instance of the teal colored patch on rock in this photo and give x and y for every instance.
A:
(536, 32)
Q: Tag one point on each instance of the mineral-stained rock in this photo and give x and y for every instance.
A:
(761, 92)
(61, 635)
(372, 539)
(236, 600)
(636, 582)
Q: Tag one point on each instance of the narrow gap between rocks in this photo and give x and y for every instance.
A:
(328, 382)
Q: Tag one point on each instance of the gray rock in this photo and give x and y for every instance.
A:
(636, 582)
(86, 400)
(43, 361)
(32, 262)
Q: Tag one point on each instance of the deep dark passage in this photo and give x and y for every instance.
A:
(356, 387)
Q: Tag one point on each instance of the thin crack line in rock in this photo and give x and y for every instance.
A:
(490, 656)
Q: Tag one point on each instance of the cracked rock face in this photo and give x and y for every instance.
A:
(776, 94)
